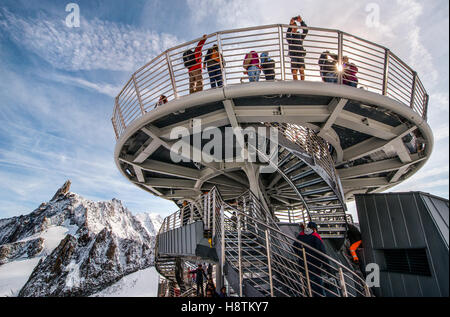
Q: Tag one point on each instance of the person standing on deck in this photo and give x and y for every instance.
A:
(297, 52)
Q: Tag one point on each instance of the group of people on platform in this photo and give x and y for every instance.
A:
(255, 64)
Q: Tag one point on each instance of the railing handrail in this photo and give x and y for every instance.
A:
(378, 78)
(273, 229)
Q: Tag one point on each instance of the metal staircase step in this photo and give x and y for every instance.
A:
(294, 167)
(332, 236)
(317, 191)
(332, 229)
(329, 207)
(330, 222)
(327, 215)
(286, 159)
(303, 175)
(310, 183)
(321, 199)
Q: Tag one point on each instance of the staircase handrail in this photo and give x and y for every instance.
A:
(285, 251)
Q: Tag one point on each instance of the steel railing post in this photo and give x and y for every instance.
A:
(413, 90)
(340, 55)
(245, 206)
(205, 210)
(120, 113)
(115, 128)
(282, 62)
(222, 68)
(214, 217)
(308, 282)
(222, 242)
(342, 282)
(174, 219)
(182, 215)
(367, 290)
(172, 76)
(426, 99)
(138, 94)
(239, 254)
(269, 262)
(386, 71)
(208, 214)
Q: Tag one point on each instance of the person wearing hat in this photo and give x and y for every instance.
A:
(316, 261)
(313, 226)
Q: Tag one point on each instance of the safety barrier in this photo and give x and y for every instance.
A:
(250, 242)
(379, 70)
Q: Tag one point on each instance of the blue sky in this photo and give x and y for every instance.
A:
(58, 84)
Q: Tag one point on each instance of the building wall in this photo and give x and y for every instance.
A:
(404, 221)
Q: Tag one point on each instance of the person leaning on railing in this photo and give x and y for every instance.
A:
(212, 62)
(350, 70)
(268, 66)
(252, 66)
(296, 50)
(328, 67)
(162, 100)
(193, 62)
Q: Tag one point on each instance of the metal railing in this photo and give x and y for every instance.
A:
(248, 239)
(379, 70)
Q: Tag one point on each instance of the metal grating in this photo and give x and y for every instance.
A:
(407, 261)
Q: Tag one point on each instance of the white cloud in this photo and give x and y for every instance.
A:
(95, 45)
(103, 88)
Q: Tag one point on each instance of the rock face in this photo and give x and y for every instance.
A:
(23, 249)
(102, 242)
(63, 190)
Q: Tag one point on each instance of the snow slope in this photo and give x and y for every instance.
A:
(15, 274)
(143, 283)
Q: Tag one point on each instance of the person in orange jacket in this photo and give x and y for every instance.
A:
(354, 237)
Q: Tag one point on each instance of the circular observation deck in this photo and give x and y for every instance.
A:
(359, 139)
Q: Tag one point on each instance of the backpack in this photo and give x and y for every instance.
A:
(189, 58)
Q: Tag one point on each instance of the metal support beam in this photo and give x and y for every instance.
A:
(166, 168)
(146, 151)
(372, 145)
(365, 125)
(375, 167)
(336, 106)
(365, 182)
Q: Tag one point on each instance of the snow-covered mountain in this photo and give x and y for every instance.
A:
(151, 222)
(71, 246)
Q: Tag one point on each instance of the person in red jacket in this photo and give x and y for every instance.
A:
(350, 71)
(313, 226)
(195, 71)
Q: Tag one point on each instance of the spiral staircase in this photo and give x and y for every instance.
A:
(332, 141)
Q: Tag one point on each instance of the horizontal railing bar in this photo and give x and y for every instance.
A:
(152, 75)
(365, 46)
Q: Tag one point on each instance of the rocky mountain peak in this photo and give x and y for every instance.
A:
(64, 189)
(83, 246)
